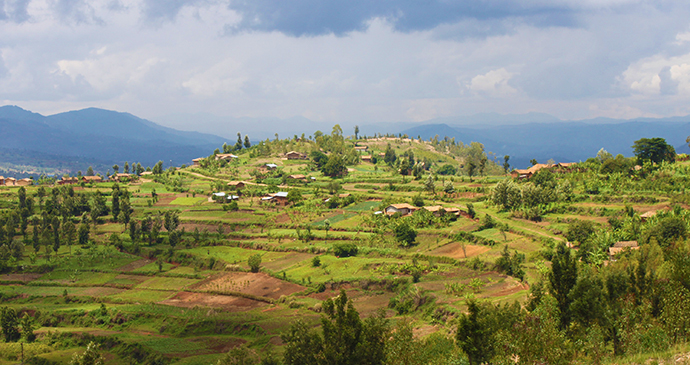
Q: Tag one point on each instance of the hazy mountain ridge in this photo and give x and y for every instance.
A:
(564, 141)
(100, 135)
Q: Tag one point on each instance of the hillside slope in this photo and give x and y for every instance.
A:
(101, 135)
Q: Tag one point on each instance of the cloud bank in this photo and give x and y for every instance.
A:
(348, 61)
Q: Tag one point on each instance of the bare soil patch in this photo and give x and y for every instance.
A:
(20, 277)
(232, 304)
(134, 265)
(258, 284)
(454, 250)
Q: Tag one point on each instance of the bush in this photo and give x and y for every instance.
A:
(345, 249)
(316, 262)
(405, 234)
(254, 262)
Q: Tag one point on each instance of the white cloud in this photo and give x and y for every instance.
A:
(494, 83)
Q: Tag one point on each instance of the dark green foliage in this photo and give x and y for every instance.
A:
(417, 201)
(655, 150)
(470, 210)
(345, 249)
(316, 261)
(10, 324)
(335, 167)
(511, 264)
(254, 262)
(405, 234)
(172, 220)
(320, 159)
(563, 278)
(447, 169)
(475, 333)
(346, 338)
(579, 231)
(294, 196)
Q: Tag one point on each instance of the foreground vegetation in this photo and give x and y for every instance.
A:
(159, 270)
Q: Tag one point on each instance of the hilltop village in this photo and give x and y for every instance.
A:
(362, 249)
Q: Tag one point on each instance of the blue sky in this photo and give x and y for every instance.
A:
(351, 61)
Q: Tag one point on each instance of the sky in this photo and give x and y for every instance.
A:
(351, 61)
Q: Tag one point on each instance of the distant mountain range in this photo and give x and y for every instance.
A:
(96, 137)
(561, 141)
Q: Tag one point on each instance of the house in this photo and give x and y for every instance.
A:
(146, 173)
(646, 215)
(366, 158)
(2, 180)
(68, 181)
(527, 173)
(621, 246)
(123, 177)
(197, 161)
(226, 156)
(24, 182)
(403, 209)
(279, 198)
(270, 166)
(91, 179)
(294, 155)
(10, 181)
(237, 184)
(382, 155)
(361, 148)
(437, 210)
(222, 196)
(297, 177)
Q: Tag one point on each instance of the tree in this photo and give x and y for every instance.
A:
(475, 334)
(447, 169)
(9, 322)
(254, 262)
(157, 168)
(27, 324)
(335, 167)
(356, 132)
(247, 144)
(115, 202)
(89, 171)
(429, 185)
(471, 168)
(506, 165)
(126, 168)
(294, 196)
(116, 168)
(347, 339)
(405, 234)
(83, 234)
(389, 157)
(579, 231)
(563, 277)
(172, 220)
(655, 150)
(533, 161)
(319, 158)
(238, 144)
(90, 357)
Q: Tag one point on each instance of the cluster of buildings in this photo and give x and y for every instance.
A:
(68, 180)
(10, 181)
(407, 209)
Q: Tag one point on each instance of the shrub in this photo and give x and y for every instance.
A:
(254, 262)
(345, 249)
(316, 262)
